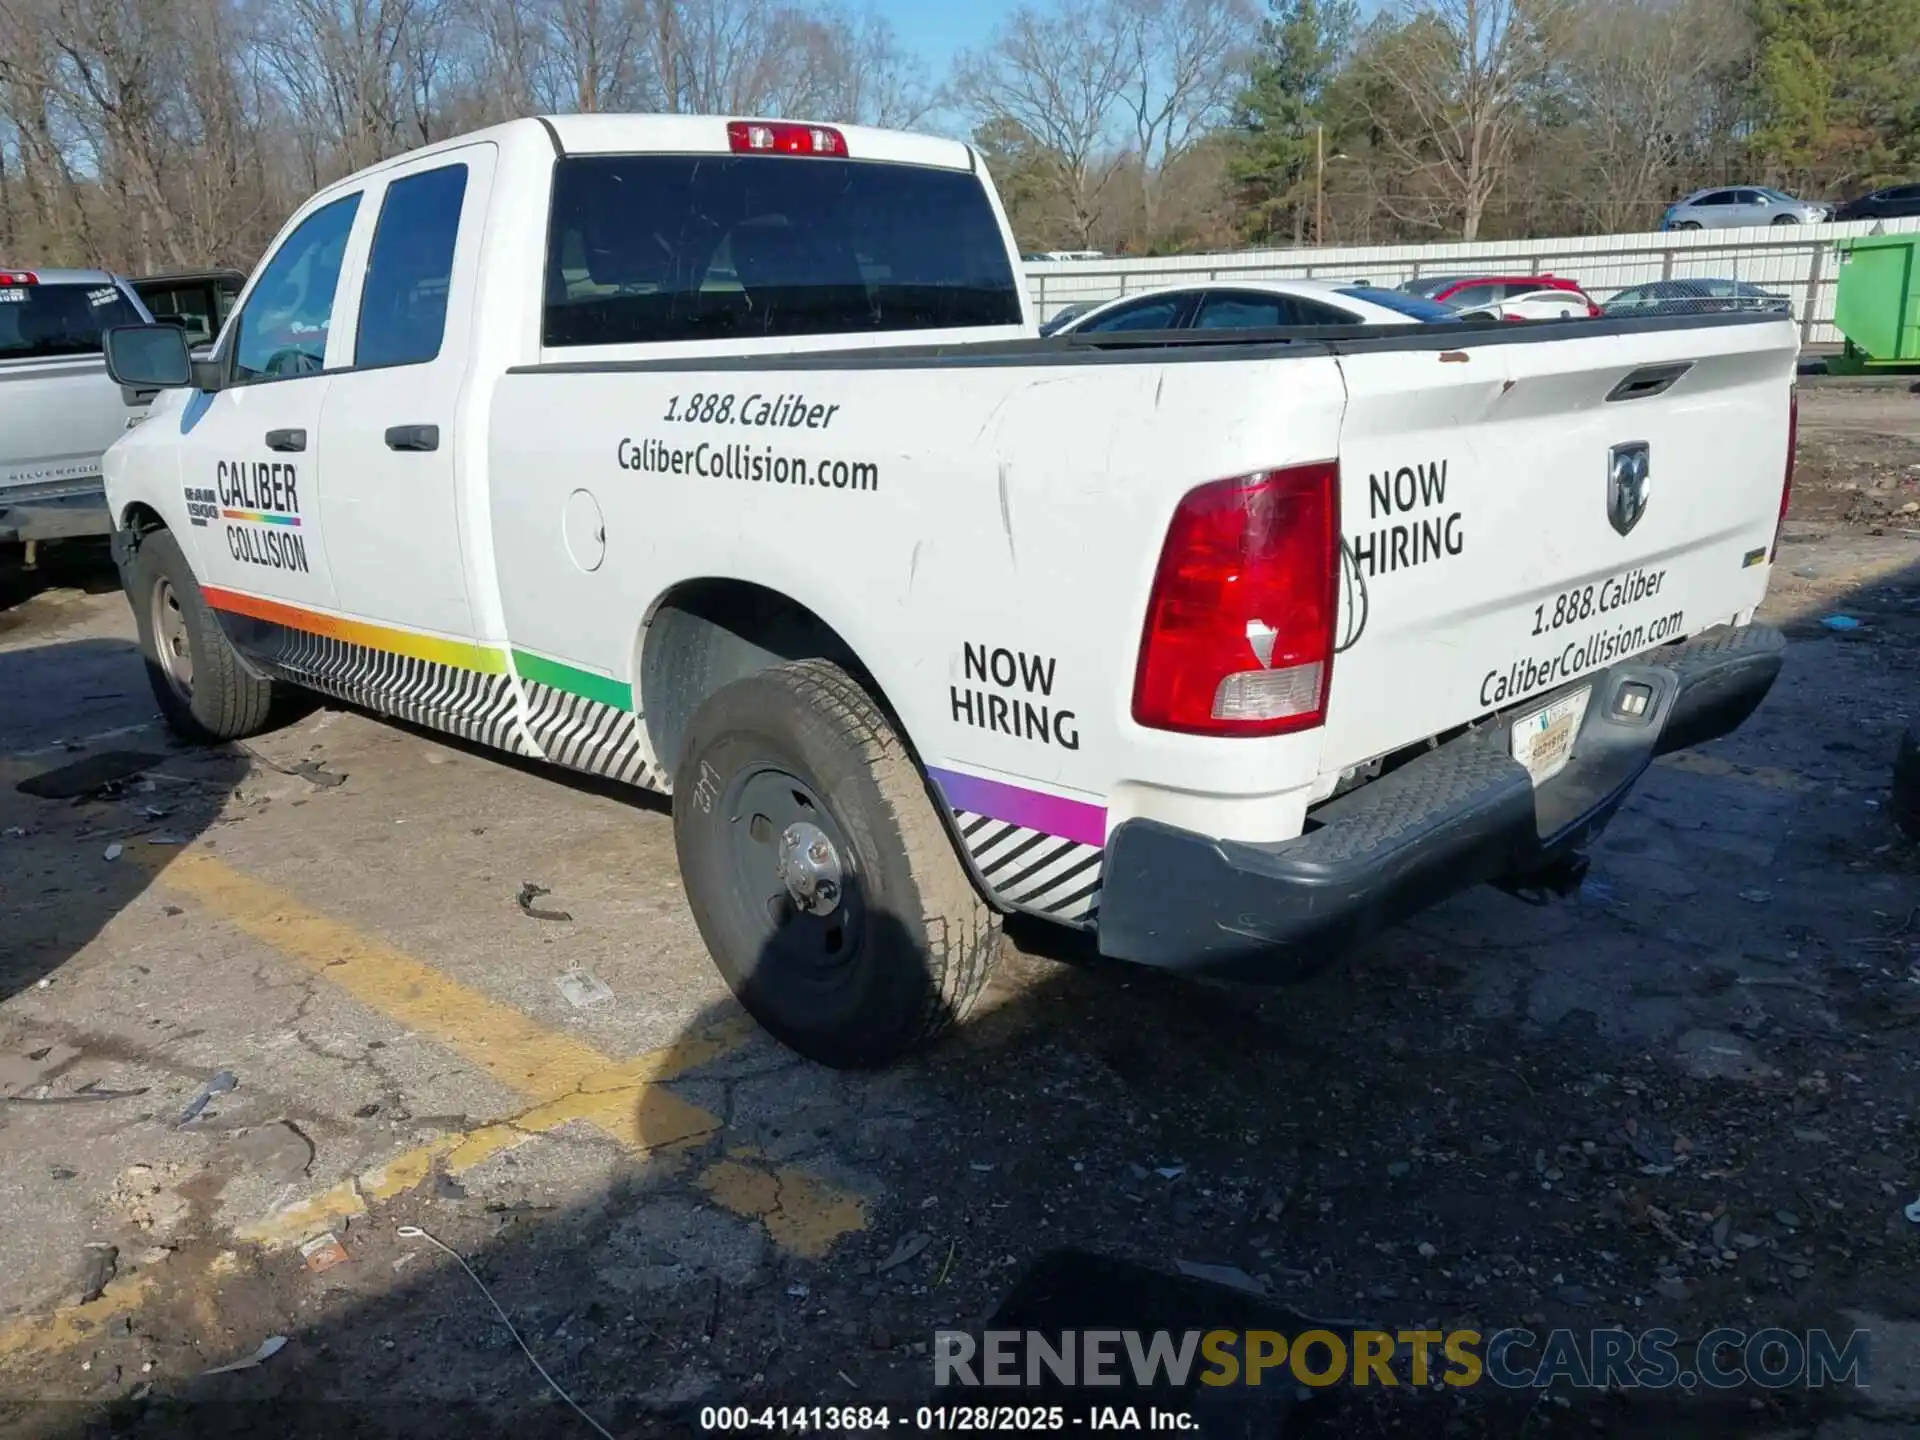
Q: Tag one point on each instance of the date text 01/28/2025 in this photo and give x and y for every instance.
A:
(941, 1419)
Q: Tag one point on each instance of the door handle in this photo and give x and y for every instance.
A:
(286, 439)
(413, 437)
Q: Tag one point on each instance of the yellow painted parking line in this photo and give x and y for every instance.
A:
(506, 1043)
(73, 1324)
(563, 1078)
(801, 1212)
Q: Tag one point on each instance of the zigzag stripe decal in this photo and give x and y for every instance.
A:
(1033, 871)
(1033, 851)
(462, 702)
(588, 735)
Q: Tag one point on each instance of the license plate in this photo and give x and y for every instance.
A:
(1543, 740)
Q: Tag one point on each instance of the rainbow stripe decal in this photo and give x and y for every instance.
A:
(1030, 809)
(262, 517)
(460, 654)
(585, 683)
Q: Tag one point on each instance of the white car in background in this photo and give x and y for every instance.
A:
(1556, 304)
(1256, 305)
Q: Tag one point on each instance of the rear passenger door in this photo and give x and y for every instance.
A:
(392, 429)
(1750, 207)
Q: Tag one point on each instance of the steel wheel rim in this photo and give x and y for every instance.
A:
(786, 849)
(172, 644)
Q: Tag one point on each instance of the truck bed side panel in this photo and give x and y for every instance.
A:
(982, 537)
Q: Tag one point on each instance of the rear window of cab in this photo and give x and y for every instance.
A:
(649, 248)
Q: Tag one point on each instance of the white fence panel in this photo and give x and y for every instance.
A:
(1797, 261)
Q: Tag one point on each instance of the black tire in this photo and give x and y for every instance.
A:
(1688, 225)
(907, 945)
(1905, 802)
(218, 698)
(1786, 219)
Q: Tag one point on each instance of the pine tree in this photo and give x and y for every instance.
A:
(1301, 47)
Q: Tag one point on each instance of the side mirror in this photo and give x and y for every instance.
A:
(147, 358)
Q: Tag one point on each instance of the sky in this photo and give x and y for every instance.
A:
(937, 29)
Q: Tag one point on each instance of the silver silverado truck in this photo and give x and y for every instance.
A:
(58, 408)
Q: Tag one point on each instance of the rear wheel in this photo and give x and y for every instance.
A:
(1688, 225)
(205, 692)
(1786, 219)
(820, 874)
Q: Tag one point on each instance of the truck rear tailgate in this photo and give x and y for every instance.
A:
(1526, 509)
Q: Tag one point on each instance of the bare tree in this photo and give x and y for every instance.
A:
(865, 75)
(1455, 77)
(1642, 76)
(1186, 61)
(595, 44)
(343, 65)
(1058, 76)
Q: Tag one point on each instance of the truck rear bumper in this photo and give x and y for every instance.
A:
(1461, 814)
(58, 510)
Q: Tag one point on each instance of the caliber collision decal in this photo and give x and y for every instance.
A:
(1034, 851)
(260, 505)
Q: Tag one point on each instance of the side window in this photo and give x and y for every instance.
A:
(403, 305)
(1716, 197)
(1470, 297)
(282, 331)
(188, 303)
(1157, 314)
(1752, 197)
(1244, 312)
(1311, 312)
(1902, 193)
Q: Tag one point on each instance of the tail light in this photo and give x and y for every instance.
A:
(783, 137)
(1786, 484)
(18, 277)
(1240, 624)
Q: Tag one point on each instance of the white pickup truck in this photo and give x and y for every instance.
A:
(722, 458)
(58, 410)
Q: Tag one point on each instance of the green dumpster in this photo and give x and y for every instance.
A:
(1877, 305)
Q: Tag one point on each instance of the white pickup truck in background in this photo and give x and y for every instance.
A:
(58, 410)
(721, 458)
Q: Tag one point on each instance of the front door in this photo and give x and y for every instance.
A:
(393, 421)
(249, 453)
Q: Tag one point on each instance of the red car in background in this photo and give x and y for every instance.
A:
(1470, 292)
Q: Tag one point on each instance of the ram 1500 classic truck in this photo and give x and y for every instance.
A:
(721, 458)
(58, 410)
